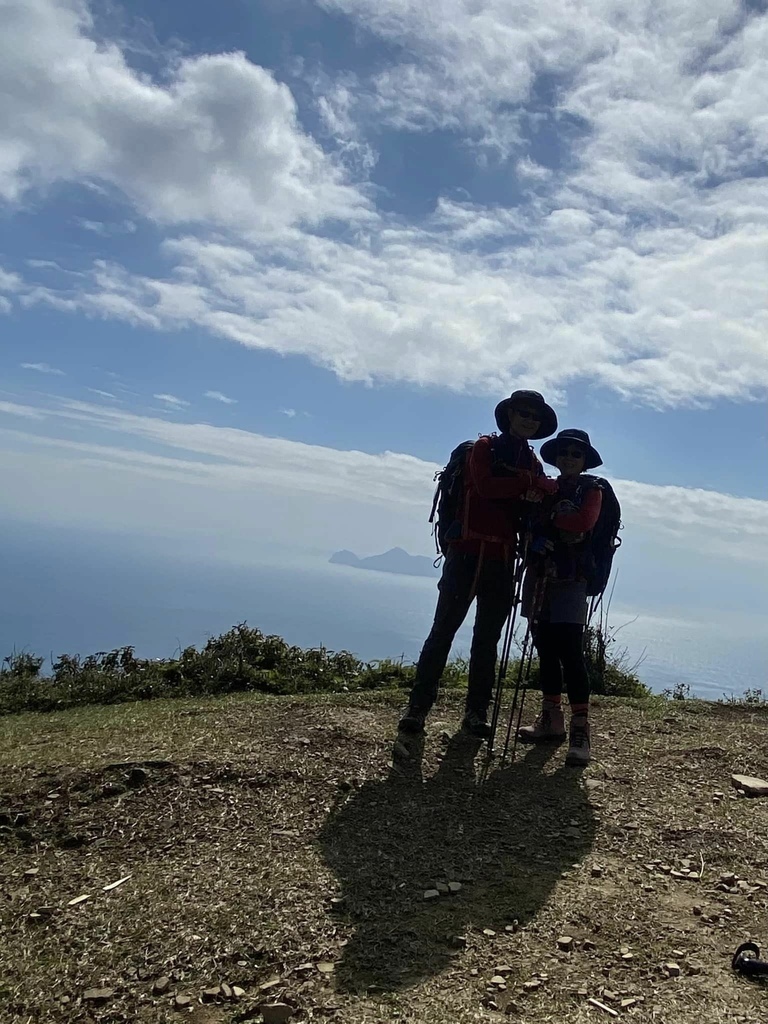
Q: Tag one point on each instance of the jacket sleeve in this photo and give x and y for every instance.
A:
(585, 518)
(493, 487)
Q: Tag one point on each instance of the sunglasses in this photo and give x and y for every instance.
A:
(571, 453)
(529, 414)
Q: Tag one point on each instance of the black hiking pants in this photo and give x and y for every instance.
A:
(560, 646)
(494, 593)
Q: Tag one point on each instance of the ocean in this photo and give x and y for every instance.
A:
(72, 593)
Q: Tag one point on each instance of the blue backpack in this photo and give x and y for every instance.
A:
(603, 539)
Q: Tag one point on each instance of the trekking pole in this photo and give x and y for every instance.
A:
(523, 673)
(509, 633)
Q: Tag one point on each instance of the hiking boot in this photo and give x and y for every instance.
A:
(413, 720)
(475, 724)
(549, 726)
(578, 745)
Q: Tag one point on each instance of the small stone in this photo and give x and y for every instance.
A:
(532, 986)
(677, 874)
(672, 970)
(750, 785)
(161, 986)
(274, 980)
(454, 887)
(504, 969)
(237, 992)
(431, 894)
(627, 1004)
(226, 990)
(31, 872)
(728, 879)
(588, 945)
(211, 994)
(626, 957)
(596, 872)
(489, 932)
(565, 943)
(694, 876)
(276, 1013)
(498, 980)
(326, 967)
(98, 996)
(458, 941)
(665, 868)
(697, 911)
(182, 1002)
(442, 888)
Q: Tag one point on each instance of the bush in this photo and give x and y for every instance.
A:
(244, 659)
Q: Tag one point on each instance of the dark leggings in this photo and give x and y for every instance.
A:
(560, 646)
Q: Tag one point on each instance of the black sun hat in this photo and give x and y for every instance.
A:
(548, 423)
(550, 450)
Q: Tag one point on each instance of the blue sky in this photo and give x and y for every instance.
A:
(263, 265)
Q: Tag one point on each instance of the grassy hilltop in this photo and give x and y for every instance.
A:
(267, 853)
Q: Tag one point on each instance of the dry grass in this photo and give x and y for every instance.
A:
(265, 837)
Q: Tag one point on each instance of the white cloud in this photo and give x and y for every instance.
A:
(217, 396)
(43, 368)
(290, 413)
(396, 485)
(212, 138)
(102, 394)
(5, 305)
(632, 256)
(172, 401)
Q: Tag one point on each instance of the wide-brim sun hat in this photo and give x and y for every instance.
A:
(548, 424)
(549, 451)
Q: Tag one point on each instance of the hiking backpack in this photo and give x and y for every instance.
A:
(446, 505)
(604, 537)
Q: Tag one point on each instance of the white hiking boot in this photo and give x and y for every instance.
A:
(549, 726)
(578, 755)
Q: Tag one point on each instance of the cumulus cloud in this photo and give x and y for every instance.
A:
(214, 138)
(632, 255)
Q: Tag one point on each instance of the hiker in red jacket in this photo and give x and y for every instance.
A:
(501, 472)
(555, 593)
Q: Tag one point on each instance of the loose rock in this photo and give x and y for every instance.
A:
(750, 785)
(98, 996)
(565, 943)
(432, 894)
(212, 993)
(276, 1013)
(161, 986)
(454, 887)
(182, 1002)
(672, 970)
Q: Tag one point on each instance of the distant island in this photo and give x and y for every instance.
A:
(395, 560)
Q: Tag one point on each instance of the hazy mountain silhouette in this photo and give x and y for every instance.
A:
(395, 560)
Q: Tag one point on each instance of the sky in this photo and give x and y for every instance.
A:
(264, 264)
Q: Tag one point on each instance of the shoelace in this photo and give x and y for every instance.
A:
(579, 738)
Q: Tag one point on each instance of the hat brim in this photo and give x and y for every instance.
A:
(548, 452)
(547, 426)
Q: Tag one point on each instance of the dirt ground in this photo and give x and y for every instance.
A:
(267, 845)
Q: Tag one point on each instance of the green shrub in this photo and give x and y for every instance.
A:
(242, 659)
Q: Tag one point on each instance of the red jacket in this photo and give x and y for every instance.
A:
(500, 470)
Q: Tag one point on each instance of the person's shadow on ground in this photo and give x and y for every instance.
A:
(506, 841)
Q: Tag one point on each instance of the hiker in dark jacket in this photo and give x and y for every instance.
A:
(501, 473)
(555, 593)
